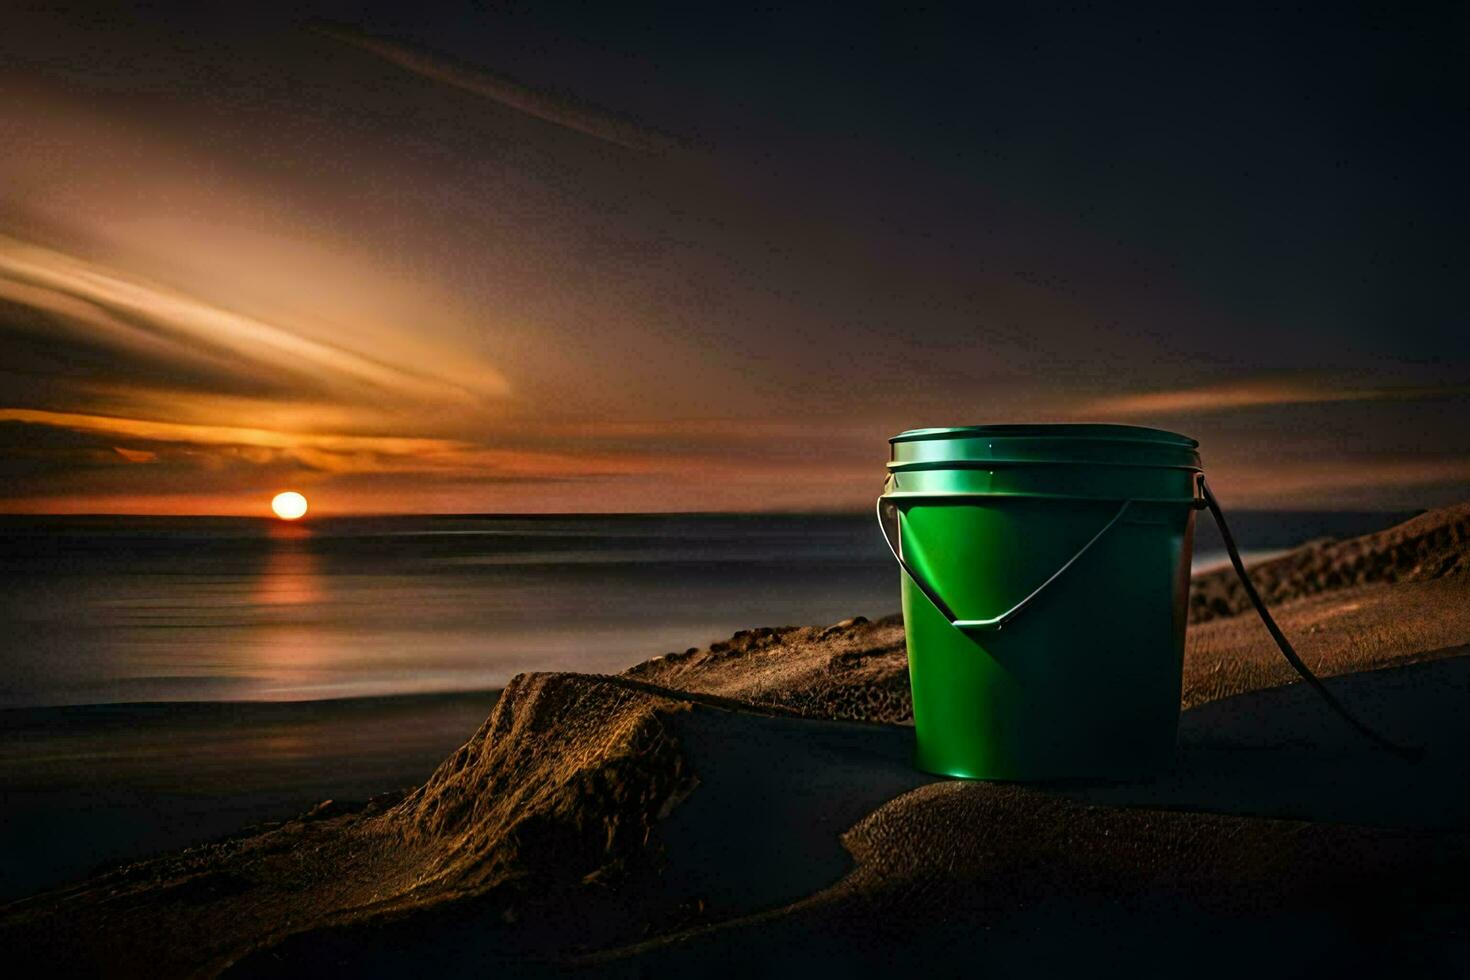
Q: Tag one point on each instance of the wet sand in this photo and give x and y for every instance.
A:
(81, 787)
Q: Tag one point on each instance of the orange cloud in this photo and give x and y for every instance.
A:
(220, 435)
(1246, 394)
(127, 311)
(335, 453)
(1350, 482)
(280, 414)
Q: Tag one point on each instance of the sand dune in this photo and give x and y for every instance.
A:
(751, 805)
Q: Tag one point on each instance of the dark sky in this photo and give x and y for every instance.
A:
(565, 257)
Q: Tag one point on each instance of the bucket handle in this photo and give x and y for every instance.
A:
(887, 508)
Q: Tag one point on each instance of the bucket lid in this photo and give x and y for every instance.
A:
(1042, 444)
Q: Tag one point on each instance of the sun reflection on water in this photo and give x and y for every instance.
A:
(291, 575)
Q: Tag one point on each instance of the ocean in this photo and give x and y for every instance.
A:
(99, 610)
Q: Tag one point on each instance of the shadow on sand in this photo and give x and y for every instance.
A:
(1282, 753)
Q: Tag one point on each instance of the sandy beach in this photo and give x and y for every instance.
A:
(751, 806)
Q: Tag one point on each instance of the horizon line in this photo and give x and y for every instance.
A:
(303, 522)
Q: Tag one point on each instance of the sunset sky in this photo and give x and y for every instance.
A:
(550, 257)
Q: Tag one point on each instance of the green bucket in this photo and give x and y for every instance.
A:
(1045, 573)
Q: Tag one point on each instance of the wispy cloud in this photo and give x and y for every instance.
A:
(587, 119)
(1355, 481)
(220, 435)
(120, 310)
(1248, 394)
(148, 441)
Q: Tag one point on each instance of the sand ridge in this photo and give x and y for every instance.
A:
(1433, 545)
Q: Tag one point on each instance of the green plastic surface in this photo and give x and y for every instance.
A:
(1084, 682)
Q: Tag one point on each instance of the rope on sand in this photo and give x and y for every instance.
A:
(1411, 753)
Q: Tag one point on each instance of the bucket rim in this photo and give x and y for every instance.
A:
(1098, 431)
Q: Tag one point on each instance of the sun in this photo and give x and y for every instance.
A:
(289, 506)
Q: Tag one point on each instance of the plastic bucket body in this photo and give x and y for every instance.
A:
(1045, 580)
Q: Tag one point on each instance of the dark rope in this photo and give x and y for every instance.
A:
(1412, 753)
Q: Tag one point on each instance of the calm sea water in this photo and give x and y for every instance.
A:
(96, 610)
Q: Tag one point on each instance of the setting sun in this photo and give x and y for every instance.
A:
(289, 506)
